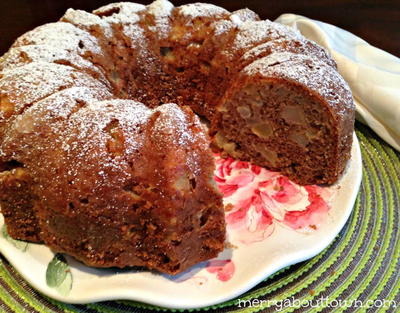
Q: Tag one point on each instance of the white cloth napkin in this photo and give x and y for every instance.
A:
(373, 74)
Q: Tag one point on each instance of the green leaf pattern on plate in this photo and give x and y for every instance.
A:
(58, 275)
(19, 244)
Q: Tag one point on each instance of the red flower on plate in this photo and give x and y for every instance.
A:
(314, 213)
(224, 269)
(259, 199)
(287, 192)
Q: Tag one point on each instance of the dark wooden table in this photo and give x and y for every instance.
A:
(376, 21)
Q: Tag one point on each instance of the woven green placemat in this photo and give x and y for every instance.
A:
(359, 271)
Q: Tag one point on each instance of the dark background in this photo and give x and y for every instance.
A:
(378, 22)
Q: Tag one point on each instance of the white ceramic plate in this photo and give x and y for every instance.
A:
(272, 223)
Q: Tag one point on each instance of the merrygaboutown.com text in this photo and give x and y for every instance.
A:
(315, 303)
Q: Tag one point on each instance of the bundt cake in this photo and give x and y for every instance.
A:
(101, 155)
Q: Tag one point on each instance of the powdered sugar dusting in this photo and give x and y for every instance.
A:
(62, 35)
(129, 113)
(85, 139)
(174, 126)
(161, 11)
(234, 21)
(20, 56)
(160, 8)
(87, 21)
(173, 122)
(223, 27)
(137, 42)
(46, 117)
(27, 84)
(195, 10)
(308, 71)
(300, 46)
(253, 33)
(62, 104)
(243, 15)
(97, 115)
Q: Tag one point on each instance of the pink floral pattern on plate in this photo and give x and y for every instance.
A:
(257, 200)
(224, 269)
